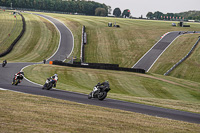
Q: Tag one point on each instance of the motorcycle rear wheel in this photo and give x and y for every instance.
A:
(50, 86)
(102, 95)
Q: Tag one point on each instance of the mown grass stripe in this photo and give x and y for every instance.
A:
(10, 29)
(124, 85)
(39, 42)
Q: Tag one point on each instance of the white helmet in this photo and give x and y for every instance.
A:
(56, 75)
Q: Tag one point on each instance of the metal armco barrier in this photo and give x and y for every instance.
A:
(184, 58)
(82, 45)
(17, 39)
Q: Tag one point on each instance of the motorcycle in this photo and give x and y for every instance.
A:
(99, 93)
(4, 63)
(17, 80)
(48, 84)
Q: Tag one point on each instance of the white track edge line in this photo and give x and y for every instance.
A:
(148, 51)
(54, 53)
(165, 50)
(162, 53)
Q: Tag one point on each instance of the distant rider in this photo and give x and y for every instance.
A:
(5, 61)
(44, 61)
(54, 79)
(19, 75)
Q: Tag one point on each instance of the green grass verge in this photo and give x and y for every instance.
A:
(189, 69)
(107, 45)
(75, 27)
(29, 113)
(124, 45)
(10, 27)
(141, 88)
(39, 41)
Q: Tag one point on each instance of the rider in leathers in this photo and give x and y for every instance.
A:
(104, 85)
(5, 61)
(101, 86)
(20, 75)
(54, 79)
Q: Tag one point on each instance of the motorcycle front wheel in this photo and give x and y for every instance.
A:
(16, 81)
(50, 86)
(90, 95)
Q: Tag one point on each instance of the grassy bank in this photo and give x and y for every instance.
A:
(127, 44)
(28, 113)
(189, 69)
(133, 87)
(124, 45)
(10, 29)
(39, 41)
(76, 29)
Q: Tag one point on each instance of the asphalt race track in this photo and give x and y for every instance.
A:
(148, 60)
(65, 49)
(66, 40)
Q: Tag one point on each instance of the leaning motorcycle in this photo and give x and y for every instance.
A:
(99, 93)
(4, 64)
(48, 84)
(17, 80)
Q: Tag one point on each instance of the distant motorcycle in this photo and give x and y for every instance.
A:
(98, 93)
(4, 63)
(48, 84)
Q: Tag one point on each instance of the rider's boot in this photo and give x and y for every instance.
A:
(92, 94)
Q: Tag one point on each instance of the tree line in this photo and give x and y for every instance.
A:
(194, 15)
(117, 13)
(71, 6)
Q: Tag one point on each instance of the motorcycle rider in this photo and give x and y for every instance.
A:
(54, 79)
(44, 61)
(4, 62)
(104, 85)
(101, 86)
(21, 76)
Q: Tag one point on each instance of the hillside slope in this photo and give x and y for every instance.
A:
(149, 89)
(189, 69)
(39, 41)
(11, 27)
(124, 45)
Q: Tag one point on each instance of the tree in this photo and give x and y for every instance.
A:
(149, 15)
(72, 6)
(109, 9)
(170, 15)
(158, 15)
(117, 12)
(100, 12)
(126, 13)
